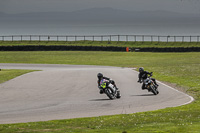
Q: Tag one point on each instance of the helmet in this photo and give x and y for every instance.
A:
(100, 75)
(141, 69)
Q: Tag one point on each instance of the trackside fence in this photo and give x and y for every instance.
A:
(118, 38)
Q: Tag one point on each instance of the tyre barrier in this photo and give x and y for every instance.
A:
(61, 48)
(97, 48)
(172, 49)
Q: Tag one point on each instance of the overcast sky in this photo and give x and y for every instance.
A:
(24, 6)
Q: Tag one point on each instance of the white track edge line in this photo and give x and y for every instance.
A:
(191, 98)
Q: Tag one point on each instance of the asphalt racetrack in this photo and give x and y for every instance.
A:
(70, 91)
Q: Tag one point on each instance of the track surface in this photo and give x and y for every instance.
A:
(70, 91)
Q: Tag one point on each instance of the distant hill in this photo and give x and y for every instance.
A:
(102, 15)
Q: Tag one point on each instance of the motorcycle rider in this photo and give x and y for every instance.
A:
(143, 75)
(100, 77)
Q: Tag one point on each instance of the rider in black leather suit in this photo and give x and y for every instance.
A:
(143, 75)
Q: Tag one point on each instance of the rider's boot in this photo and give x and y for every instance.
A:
(156, 85)
(101, 91)
(118, 94)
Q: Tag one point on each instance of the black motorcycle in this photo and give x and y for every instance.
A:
(150, 85)
(109, 89)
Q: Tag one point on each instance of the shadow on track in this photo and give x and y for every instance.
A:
(99, 100)
(144, 95)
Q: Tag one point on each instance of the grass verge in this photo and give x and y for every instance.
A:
(180, 69)
(6, 74)
(103, 43)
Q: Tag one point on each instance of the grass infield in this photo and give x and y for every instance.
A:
(179, 69)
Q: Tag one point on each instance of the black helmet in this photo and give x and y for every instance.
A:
(100, 75)
(141, 69)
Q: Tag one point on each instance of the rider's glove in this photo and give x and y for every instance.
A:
(151, 73)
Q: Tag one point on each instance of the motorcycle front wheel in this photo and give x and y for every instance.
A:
(153, 90)
(109, 94)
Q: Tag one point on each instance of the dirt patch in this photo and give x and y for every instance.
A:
(175, 86)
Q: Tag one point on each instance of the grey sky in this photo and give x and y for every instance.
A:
(23, 6)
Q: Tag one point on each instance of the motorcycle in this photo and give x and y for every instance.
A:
(109, 89)
(150, 85)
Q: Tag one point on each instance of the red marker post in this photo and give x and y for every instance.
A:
(127, 49)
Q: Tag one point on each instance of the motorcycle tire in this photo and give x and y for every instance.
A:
(153, 90)
(110, 95)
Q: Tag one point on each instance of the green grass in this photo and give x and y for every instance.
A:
(103, 43)
(6, 74)
(180, 69)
